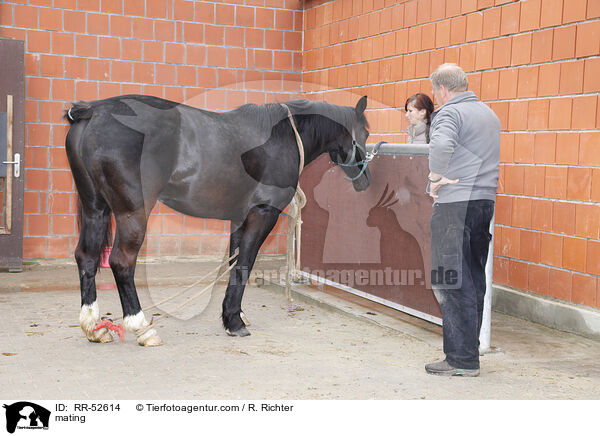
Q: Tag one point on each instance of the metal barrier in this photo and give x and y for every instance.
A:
(389, 149)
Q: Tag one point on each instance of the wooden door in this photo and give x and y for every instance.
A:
(12, 100)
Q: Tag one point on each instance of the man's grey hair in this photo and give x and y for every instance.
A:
(451, 76)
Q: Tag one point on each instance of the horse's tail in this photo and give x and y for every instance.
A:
(108, 234)
(81, 110)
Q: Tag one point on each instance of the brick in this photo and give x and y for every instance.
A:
(548, 79)
(244, 16)
(528, 82)
(517, 274)
(587, 220)
(530, 244)
(132, 49)
(164, 74)
(158, 8)
(571, 77)
(588, 39)
(521, 49)
(574, 10)
(52, 66)
(593, 257)
(265, 18)
(537, 118)
(62, 224)
(74, 21)
(143, 73)
(523, 152)
(86, 45)
(489, 85)
(120, 26)
(560, 284)
(541, 46)
(50, 19)
(538, 279)
(591, 74)
(63, 89)
(563, 218)
(175, 53)
(584, 113)
(254, 38)
(567, 148)
(541, 214)
(517, 115)
(551, 13)
(534, 181)
(589, 148)
(58, 159)
(195, 54)
(36, 157)
(593, 9)
(514, 175)
(143, 28)
(63, 43)
(109, 47)
(442, 34)
(574, 253)
(458, 28)
(564, 42)
(38, 41)
(98, 69)
(556, 182)
(86, 90)
(483, 55)
(551, 250)
(207, 77)
(25, 16)
(491, 22)
(205, 12)
(509, 18)
(51, 112)
(510, 242)
(579, 183)
(559, 110)
(467, 57)
(292, 41)
(530, 15)
(193, 32)
(507, 147)
(503, 209)
(216, 56)
(38, 225)
(584, 290)
(474, 29)
(164, 30)
(521, 212)
(501, 271)
(97, 24)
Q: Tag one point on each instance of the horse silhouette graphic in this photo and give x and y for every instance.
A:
(26, 415)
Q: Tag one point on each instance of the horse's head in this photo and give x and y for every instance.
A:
(350, 151)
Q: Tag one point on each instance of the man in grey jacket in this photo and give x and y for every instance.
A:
(464, 161)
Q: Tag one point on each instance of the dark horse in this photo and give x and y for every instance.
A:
(128, 152)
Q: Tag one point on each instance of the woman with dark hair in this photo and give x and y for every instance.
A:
(418, 111)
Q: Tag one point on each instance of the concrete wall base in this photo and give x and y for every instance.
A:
(547, 311)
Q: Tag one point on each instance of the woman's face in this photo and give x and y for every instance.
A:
(414, 115)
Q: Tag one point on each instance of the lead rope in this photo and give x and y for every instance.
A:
(108, 323)
(294, 233)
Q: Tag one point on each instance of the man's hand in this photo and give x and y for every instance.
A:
(435, 186)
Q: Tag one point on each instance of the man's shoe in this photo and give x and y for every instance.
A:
(444, 368)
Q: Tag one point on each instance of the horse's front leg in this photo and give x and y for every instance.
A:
(259, 222)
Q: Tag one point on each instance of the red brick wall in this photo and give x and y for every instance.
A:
(537, 64)
(215, 55)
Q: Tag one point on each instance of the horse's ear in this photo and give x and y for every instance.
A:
(361, 105)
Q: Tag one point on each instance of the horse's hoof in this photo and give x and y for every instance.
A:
(151, 341)
(241, 332)
(101, 336)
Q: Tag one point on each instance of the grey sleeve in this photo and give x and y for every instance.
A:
(443, 139)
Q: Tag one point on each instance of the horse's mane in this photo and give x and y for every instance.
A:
(268, 115)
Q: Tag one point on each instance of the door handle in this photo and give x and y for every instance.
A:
(17, 164)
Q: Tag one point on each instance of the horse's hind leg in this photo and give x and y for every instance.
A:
(131, 228)
(259, 222)
(94, 222)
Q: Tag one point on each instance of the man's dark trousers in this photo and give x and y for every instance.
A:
(459, 248)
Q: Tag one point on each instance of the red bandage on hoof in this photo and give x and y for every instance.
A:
(107, 323)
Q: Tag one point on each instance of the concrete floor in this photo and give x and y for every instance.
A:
(324, 345)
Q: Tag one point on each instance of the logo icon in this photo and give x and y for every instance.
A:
(25, 415)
